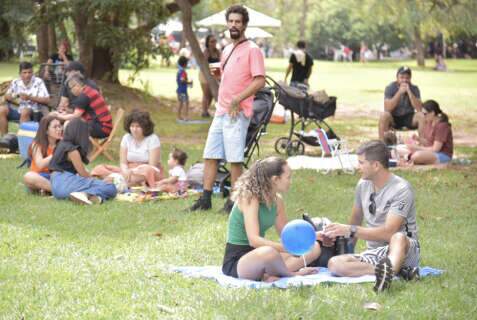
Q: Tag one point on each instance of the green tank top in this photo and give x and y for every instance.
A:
(236, 228)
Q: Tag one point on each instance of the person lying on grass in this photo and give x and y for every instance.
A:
(259, 206)
(49, 133)
(386, 203)
(139, 153)
(70, 178)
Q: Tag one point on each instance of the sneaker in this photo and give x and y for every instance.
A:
(95, 199)
(201, 204)
(80, 198)
(384, 275)
(409, 273)
(228, 205)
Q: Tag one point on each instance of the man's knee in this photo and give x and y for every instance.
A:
(385, 117)
(336, 264)
(399, 239)
(3, 111)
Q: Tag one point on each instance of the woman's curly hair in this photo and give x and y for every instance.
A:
(256, 182)
(143, 118)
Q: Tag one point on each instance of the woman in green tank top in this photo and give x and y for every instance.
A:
(258, 207)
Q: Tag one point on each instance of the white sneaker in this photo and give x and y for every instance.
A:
(80, 198)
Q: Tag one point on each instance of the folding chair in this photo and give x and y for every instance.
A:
(101, 145)
(335, 148)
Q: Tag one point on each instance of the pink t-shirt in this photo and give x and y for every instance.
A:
(245, 63)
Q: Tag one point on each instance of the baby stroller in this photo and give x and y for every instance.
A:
(263, 105)
(311, 115)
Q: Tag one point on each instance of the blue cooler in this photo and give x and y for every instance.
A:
(26, 133)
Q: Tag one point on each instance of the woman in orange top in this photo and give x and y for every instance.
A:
(41, 150)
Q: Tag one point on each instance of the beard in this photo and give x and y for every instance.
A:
(235, 33)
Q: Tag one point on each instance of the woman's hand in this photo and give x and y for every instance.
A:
(306, 271)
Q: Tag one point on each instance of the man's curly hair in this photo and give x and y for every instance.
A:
(256, 182)
(238, 8)
(143, 118)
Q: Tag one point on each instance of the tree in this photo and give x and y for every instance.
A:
(186, 9)
(14, 18)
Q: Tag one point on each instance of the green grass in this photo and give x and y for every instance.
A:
(62, 261)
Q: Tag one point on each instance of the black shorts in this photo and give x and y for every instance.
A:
(96, 129)
(404, 121)
(233, 253)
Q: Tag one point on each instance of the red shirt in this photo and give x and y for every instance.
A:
(92, 103)
(442, 132)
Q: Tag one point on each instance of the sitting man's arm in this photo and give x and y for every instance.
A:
(68, 116)
(392, 101)
(382, 233)
(415, 99)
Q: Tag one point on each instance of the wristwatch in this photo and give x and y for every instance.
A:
(352, 230)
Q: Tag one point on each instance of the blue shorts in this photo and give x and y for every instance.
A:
(183, 97)
(442, 157)
(226, 138)
(45, 175)
(13, 114)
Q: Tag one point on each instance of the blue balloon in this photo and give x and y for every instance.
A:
(298, 237)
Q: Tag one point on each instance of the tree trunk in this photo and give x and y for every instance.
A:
(303, 19)
(419, 47)
(7, 51)
(186, 9)
(85, 42)
(52, 46)
(103, 67)
(42, 34)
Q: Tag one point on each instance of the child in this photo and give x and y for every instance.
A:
(182, 82)
(177, 181)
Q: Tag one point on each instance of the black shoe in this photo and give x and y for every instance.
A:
(409, 273)
(201, 204)
(228, 205)
(205, 115)
(384, 275)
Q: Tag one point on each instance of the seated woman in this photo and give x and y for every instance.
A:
(259, 206)
(139, 153)
(439, 147)
(69, 177)
(40, 151)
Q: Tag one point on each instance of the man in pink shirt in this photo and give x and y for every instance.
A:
(243, 74)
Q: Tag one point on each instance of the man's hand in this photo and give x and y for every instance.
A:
(403, 88)
(54, 114)
(337, 230)
(234, 108)
(327, 241)
(25, 96)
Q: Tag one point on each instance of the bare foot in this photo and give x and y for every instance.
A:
(306, 271)
(268, 278)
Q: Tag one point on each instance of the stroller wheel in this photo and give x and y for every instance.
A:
(296, 147)
(281, 145)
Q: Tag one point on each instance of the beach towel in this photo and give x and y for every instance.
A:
(324, 276)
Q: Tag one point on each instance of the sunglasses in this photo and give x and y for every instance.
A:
(372, 205)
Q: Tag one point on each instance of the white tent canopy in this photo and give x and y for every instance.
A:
(256, 19)
(170, 26)
(252, 33)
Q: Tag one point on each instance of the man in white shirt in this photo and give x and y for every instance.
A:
(24, 96)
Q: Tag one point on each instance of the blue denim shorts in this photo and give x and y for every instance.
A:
(13, 114)
(442, 157)
(226, 138)
(45, 175)
(182, 97)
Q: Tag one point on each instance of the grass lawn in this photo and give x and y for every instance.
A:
(59, 260)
